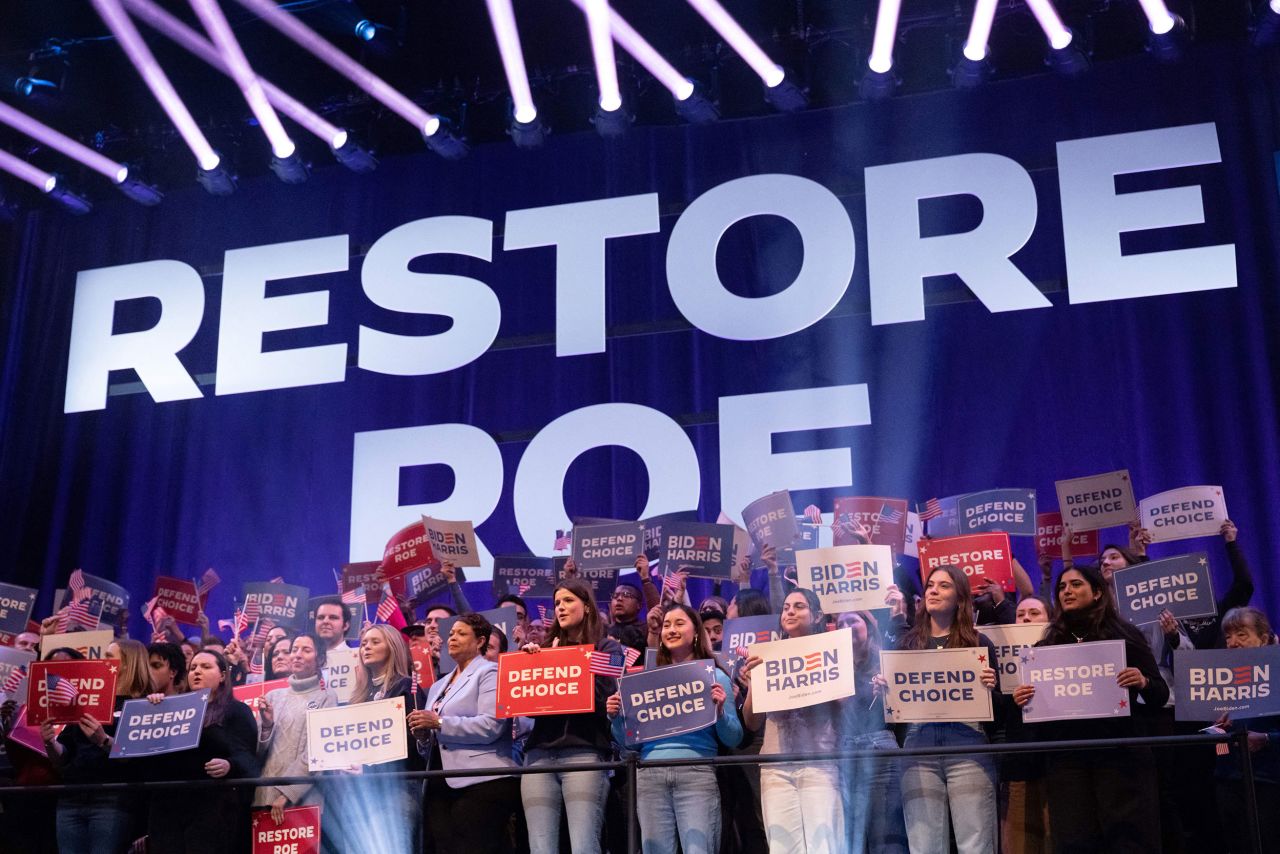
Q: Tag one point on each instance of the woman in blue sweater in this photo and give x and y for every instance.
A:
(682, 803)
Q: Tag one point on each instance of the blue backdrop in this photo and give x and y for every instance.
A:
(1178, 389)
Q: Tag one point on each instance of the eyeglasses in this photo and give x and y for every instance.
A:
(624, 594)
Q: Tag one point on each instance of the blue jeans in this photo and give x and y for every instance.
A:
(581, 792)
(683, 802)
(964, 786)
(873, 797)
(92, 824)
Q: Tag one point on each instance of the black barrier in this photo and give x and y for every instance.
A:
(631, 763)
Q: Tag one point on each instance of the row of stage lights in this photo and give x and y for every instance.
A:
(606, 26)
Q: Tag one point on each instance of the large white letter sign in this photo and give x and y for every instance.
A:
(900, 259)
(376, 512)
(1094, 215)
(674, 482)
(748, 466)
(248, 313)
(829, 251)
(578, 231)
(471, 304)
(153, 353)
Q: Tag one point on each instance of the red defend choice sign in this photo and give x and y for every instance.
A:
(179, 598)
(61, 692)
(299, 833)
(980, 556)
(554, 681)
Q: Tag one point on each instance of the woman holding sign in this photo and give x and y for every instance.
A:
(97, 822)
(282, 736)
(682, 803)
(563, 740)
(457, 729)
(963, 786)
(218, 820)
(801, 803)
(1101, 800)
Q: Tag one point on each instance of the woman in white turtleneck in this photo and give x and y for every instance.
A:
(282, 736)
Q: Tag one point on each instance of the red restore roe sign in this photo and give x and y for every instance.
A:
(980, 556)
(554, 681)
(64, 691)
(299, 833)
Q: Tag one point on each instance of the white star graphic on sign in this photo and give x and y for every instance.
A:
(1203, 562)
(711, 668)
(1031, 494)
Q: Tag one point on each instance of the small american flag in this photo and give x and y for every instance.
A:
(355, 596)
(14, 679)
(242, 621)
(607, 663)
(844, 526)
(260, 633)
(226, 625)
(891, 515)
(256, 664)
(207, 582)
(61, 692)
(523, 587)
(631, 654)
(417, 680)
(76, 584)
(932, 510)
(547, 619)
(672, 582)
(147, 611)
(813, 514)
(387, 606)
(563, 540)
(252, 610)
(82, 613)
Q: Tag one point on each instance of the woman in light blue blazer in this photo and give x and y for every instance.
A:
(457, 729)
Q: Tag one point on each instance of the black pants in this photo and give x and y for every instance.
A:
(1232, 811)
(472, 819)
(1103, 801)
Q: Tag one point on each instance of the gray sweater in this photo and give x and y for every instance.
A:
(285, 744)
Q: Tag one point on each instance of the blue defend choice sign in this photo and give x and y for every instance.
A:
(173, 724)
(1181, 584)
(363, 734)
(1075, 680)
(1216, 682)
(846, 578)
(611, 546)
(934, 685)
(667, 701)
(1012, 511)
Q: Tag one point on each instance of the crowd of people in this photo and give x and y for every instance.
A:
(1124, 799)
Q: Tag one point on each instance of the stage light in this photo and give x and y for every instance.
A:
(445, 141)
(1047, 17)
(105, 166)
(1170, 42)
(117, 20)
(215, 24)
(697, 108)
(645, 54)
(612, 123)
(527, 135)
(984, 18)
(217, 181)
(1068, 61)
(365, 30)
(188, 38)
(597, 12)
(26, 172)
(291, 169)
(70, 202)
(785, 96)
(731, 31)
(881, 58)
(1266, 27)
(143, 194)
(503, 19)
(968, 74)
(877, 85)
(354, 156)
(373, 85)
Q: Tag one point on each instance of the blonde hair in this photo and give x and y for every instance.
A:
(134, 679)
(398, 664)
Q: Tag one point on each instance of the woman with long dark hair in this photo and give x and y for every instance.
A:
(801, 803)
(97, 822)
(962, 786)
(566, 740)
(682, 803)
(282, 739)
(216, 822)
(1101, 800)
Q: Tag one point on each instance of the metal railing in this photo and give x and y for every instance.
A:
(630, 764)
